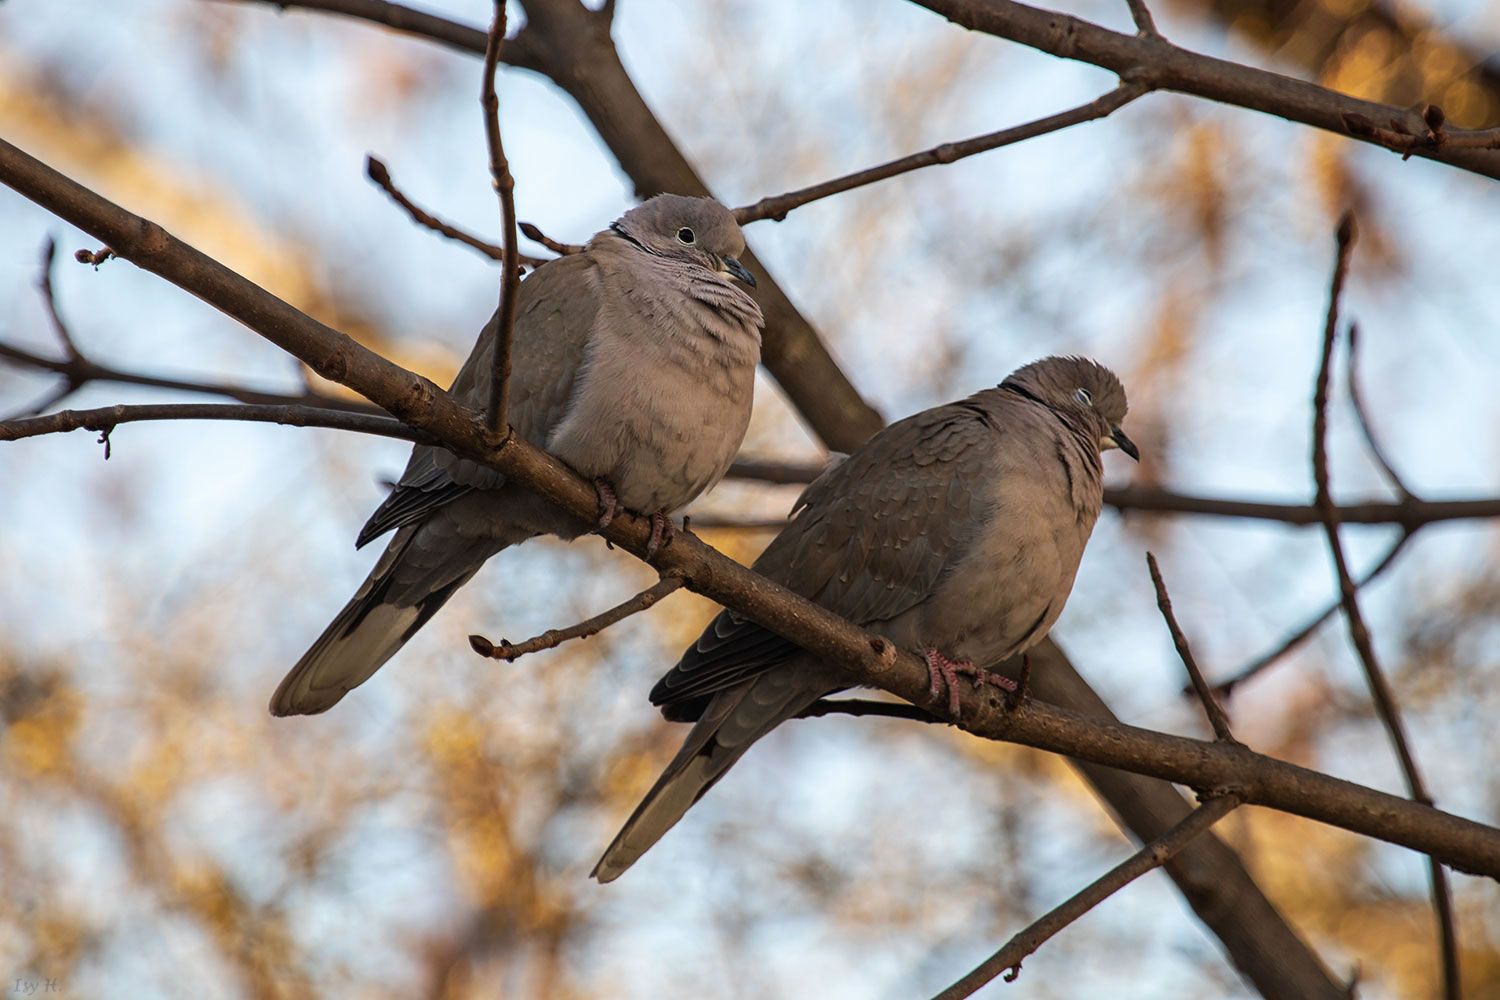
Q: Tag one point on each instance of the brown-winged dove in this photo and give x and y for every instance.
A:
(633, 361)
(955, 533)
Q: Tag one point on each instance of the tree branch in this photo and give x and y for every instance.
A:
(1211, 708)
(777, 207)
(1148, 858)
(592, 626)
(106, 418)
(1386, 704)
(1145, 24)
(1365, 427)
(505, 185)
(535, 234)
(1173, 68)
(378, 172)
(1227, 686)
(871, 659)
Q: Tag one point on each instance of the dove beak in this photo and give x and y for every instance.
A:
(735, 269)
(1117, 439)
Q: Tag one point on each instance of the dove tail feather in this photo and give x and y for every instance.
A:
(367, 632)
(733, 721)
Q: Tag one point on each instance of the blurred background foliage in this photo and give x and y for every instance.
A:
(161, 835)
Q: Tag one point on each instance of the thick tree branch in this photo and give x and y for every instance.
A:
(1173, 68)
(873, 661)
(1386, 705)
(1155, 854)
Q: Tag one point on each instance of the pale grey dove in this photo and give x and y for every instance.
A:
(633, 361)
(955, 533)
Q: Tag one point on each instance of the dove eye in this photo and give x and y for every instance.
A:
(1082, 395)
(685, 237)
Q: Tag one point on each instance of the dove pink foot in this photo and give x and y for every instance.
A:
(945, 671)
(661, 533)
(609, 506)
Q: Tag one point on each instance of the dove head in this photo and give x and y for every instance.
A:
(697, 230)
(1083, 392)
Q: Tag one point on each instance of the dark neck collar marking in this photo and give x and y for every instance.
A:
(619, 231)
(1020, 390)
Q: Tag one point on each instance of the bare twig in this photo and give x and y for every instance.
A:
(505, 185)
(377, 172)
(593, 626)
(1255, 666)
(77, 369)
(93, 257)
(1410, 514)
(1211, 707)
(1386, 704)
(1364, 419)
(106, 418)
(1155, 854)
(44, 282)
(1145, 25)
(536, 235)
(777, 207)
(80, 370)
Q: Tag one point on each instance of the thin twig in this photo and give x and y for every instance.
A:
(1211, 707)
(106, 418)
(81, 370)
(1155, 854)
(1255, 666)
(44, 282)
(1410, 514)
(93, 257)
(777, 207)
(1386, 704)
(381, 175)
(51, 399)
(534, 234)
(1364, 420)
(505, 185)
(1145, 25)
(557, 636)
